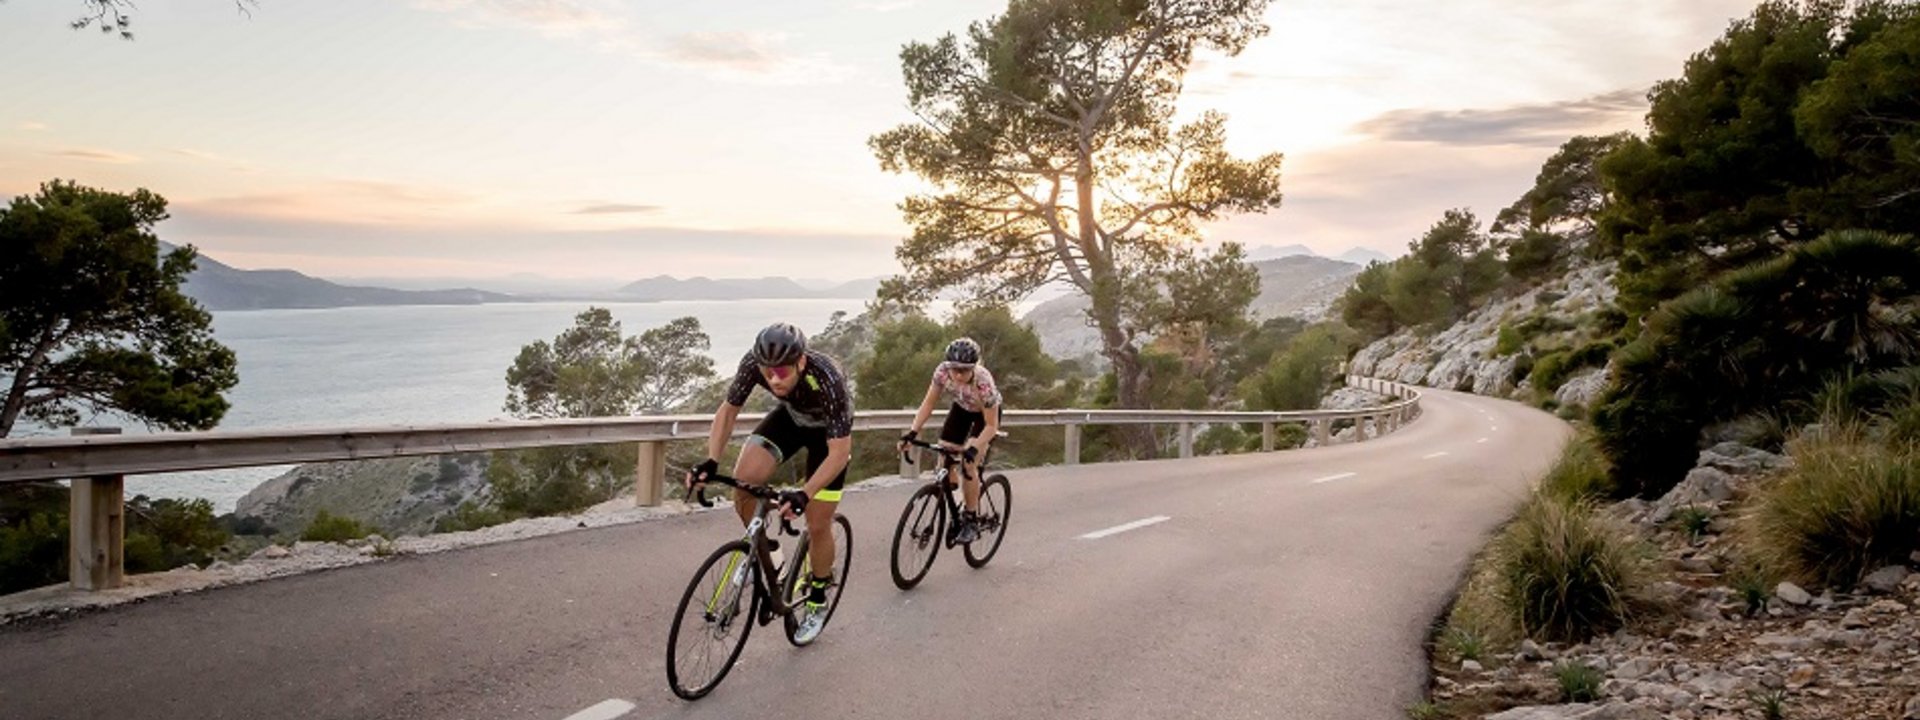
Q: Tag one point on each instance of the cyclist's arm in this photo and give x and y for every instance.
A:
(926, 407)
(723, 420)
(992, 414)
(839, 453)
(729, 410)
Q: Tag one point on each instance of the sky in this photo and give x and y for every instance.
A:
(605, 139)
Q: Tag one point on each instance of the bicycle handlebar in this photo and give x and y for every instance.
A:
(759, 491)
(955, 455)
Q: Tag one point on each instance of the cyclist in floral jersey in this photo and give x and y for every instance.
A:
(972, 422)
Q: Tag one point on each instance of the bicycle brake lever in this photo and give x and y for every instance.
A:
(700, 496)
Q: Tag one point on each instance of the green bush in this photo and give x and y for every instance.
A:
(328, 527)
(1553, 369)
(1522, 367)
(160, 535)
(1847, 507)
(1762, 337)
(1580, 474)
(1509, 341)
(1579, 683)
(1567, 574)
(1224, 440)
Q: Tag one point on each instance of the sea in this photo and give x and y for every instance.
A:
(413, 365)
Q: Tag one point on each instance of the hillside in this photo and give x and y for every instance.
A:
(219, 286)
(1302, 286)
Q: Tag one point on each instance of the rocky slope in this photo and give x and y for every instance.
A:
(1714, 644)
(399, 496)
(1467, 356)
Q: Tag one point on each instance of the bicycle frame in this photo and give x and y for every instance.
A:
(756, 538)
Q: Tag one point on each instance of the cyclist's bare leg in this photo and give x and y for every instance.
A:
(753, 467)
(969, 479)
(820, 535)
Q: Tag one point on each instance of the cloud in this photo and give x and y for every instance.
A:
(616, 209)
(551, 18)
(105, 156)
(741, 51)
(1535, 124)
(360, 201)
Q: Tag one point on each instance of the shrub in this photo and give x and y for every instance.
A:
(1509, 341)
(1580, 474)
(1464, 644)
(1566, 573)
(1579, 683)
(328, 527)
(1847, 507)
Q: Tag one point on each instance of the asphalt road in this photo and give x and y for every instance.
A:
(1290, 585)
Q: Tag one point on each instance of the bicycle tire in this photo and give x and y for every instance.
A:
(742, 621)
(925, 537)
(994, 515)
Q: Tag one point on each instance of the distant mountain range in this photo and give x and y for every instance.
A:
(1356, 255)
(219, 286)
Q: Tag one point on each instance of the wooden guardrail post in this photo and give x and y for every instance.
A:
(1266, 436)
(97, 517)
(650, 475)
(1186, 440)
(1073, 444)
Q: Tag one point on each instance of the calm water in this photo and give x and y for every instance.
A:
(415, 365)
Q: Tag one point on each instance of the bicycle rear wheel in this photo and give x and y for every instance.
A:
(802, 567)
(918, 536)
(712, 623)
(996, 508)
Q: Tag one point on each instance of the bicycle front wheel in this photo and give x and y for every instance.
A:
(716, 613)
(996, 508)
(917, 539)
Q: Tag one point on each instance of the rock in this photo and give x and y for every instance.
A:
(1855, 619)
(1778, 641)
(219, 565)
(1887, 607)
(1739, 459)
(1912, 709)
(1717, 684)
(1582, 389)
(1702, 485)
(1636, 668)
(1543, 712)
(1470, 666)
(1579, 711)
(1530, 651)
(189, 567)
(1801, 676)
(271, 552)
(1886, 579)
(1791, 594)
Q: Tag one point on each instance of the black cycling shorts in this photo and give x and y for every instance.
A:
(783, 437)
(962, 425)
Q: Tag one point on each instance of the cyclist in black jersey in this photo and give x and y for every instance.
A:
(815, 414)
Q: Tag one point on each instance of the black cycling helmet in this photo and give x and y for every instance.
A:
(963, 352)
(779, 344)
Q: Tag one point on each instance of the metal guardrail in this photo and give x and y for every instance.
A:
(98, 463)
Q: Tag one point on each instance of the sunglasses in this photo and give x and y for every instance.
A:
(778, 372)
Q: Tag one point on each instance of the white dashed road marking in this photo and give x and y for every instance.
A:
(1331, 478)
(1431, 456)
(1117, 529)
(606, 710)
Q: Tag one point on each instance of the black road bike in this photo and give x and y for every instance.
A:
(732, 592)
(936, 506)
